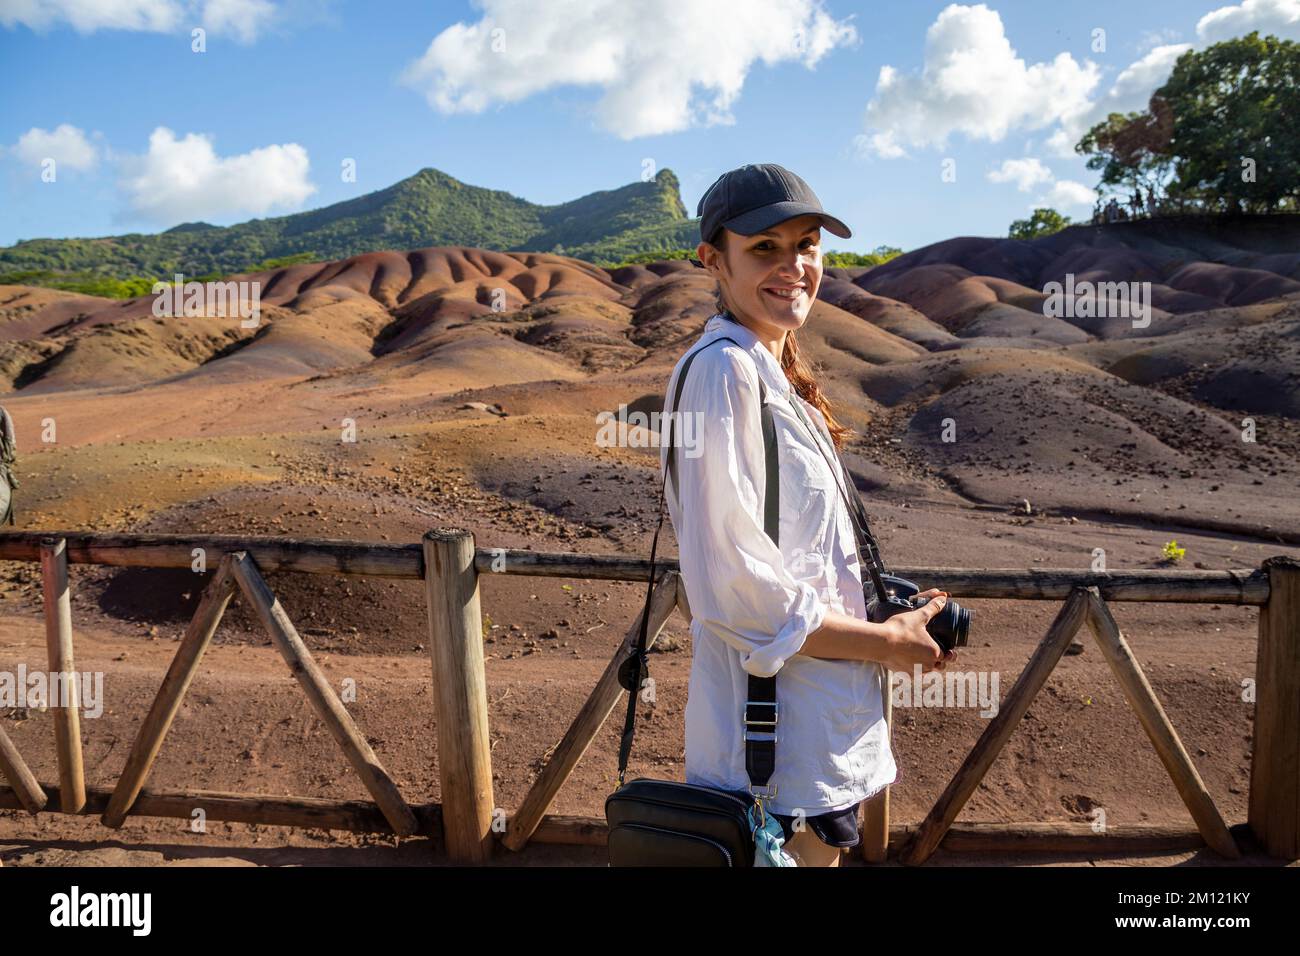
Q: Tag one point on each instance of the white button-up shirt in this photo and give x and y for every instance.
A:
(753, 605)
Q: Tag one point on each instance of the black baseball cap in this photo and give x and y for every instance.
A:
(757, 197)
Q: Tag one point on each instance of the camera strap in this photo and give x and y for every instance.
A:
(760, 699)
(866, 541)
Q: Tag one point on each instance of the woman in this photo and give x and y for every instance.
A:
(796, 609)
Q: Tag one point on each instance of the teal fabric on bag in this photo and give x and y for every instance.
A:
(768, 841)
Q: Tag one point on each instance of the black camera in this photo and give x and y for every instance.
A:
(948, 628)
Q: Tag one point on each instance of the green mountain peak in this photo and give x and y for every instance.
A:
(428, 208)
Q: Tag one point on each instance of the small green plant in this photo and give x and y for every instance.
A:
(487, 625)
(1172, 553)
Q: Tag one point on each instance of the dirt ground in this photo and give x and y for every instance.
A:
(246, 726)
(387, 394)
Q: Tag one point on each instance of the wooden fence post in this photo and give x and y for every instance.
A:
(1274, 809)
(459, 693)
(65, 683)
(607, 693)
(875, 812)
(14, 769)
(321, 695)
(1169, 748)
(927, 837)
(167, 702)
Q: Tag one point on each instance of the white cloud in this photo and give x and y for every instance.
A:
(86, 16)
(1278, 17)
(243, 19)
(1130, 92)
(1025, 173)
(1029, 172)
(1135, 83)
(662, 65)
(972, 82)
(184, 180)
(1066, 192)
(66, 145)
(1162, 37)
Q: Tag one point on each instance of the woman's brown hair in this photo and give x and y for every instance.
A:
(797, 371)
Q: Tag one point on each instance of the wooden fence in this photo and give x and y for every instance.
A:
(450, 564)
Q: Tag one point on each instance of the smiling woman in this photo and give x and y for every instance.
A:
(771, 220)
(768, 555)
(791, 299)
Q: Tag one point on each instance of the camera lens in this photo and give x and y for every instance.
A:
(951, 627)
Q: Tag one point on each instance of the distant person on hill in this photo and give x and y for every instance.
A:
(793, 610)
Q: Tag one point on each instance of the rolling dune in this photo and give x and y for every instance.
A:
(955, 335)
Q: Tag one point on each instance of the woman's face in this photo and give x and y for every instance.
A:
(771, 277)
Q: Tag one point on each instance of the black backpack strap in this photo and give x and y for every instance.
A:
(760, 705)
(772, 494)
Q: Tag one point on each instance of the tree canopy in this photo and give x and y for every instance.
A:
(1220, 135)
(1042, 222)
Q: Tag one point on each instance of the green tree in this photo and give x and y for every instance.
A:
(654, 255)
(1220, 135)
(1235, 108)
(1132, 150)
(1042, 222)
(876, 257)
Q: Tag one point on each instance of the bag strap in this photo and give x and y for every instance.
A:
(760, 705)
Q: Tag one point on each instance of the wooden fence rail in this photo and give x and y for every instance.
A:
(466, 820)
(329, 556)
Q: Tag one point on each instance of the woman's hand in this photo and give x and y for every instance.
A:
(909, 643)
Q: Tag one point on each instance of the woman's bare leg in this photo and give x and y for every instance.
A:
(808, 849)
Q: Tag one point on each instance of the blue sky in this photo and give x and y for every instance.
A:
(913, 121)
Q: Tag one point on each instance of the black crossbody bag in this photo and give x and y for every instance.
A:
(670, 823)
